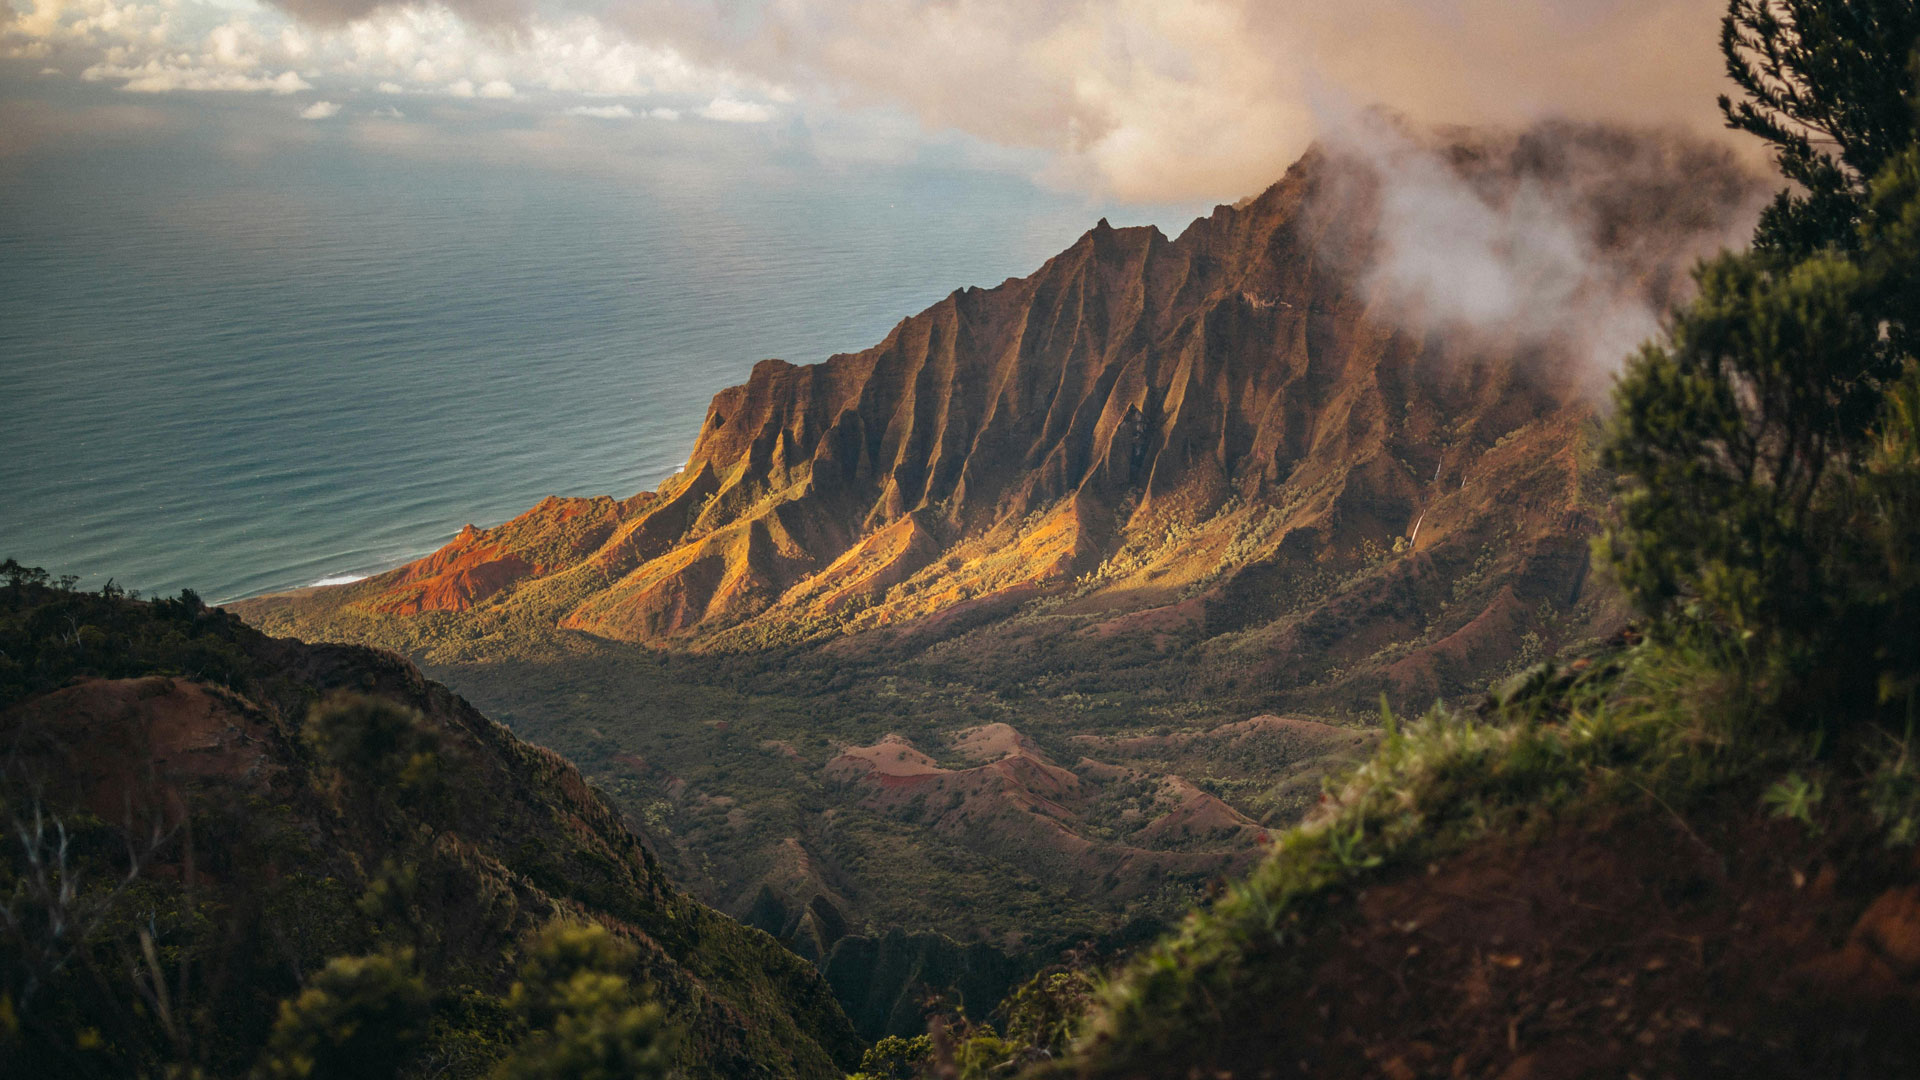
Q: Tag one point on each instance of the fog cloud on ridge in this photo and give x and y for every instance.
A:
(1569, 241)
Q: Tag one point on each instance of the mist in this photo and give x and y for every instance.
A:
(1571, 241)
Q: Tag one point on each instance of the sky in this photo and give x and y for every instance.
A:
(1134, 101)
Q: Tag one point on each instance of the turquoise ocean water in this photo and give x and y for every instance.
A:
(321, 365)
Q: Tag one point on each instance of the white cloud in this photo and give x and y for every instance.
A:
(51, 71)
(1139, 99)
(734, 111)
(602, 112)
(158, 76)
(388, 112)
(1150, 99)
(320, 110)
(663, 113)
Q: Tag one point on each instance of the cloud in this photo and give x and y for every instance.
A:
(1140, 100)
(320, 110)
(157, 76)
(1150, 99)
(732, 111)
(663, 113)
(1183, 99)
(387, 112)
(1573, 240)
(602, 112)
(429, 48)
(1137, 99)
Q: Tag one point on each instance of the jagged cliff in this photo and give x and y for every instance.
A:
(1226, 438)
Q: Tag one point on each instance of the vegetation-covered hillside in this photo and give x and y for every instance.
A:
(226, 853)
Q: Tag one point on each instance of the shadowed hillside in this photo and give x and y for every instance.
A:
(198, 824)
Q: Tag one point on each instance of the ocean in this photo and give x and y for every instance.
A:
(240, 377)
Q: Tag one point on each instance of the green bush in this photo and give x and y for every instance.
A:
(358, 1019)
(587, 1022)
(377, 745)
(1767, 446)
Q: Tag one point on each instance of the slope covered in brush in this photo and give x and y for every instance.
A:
(198, 822)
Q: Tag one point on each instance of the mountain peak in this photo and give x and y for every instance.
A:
(1238, 388)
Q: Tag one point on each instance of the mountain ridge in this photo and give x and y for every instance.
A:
(1144, 433)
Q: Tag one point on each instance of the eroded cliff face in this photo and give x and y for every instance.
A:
(1232, 432)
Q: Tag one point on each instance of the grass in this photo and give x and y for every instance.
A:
(1652, 725)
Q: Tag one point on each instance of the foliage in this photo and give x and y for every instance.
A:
(587, 1022)
(50, 635)
(1893, 791)
(1654, 725)
(1767, 446)
(388, 822)
(381, 747)
(1794, 797)
(895, 1057)
(358, 1019)
(1825, 85)
(1046, 1011)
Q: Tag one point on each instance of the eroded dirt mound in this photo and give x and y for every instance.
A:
(113, 745)
(1113, 830)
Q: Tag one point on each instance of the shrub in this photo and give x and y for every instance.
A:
(358, 1019)
(586, 1020)
(1767, 446)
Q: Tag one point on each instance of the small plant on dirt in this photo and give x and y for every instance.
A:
(1794, 798)
(1347, 848)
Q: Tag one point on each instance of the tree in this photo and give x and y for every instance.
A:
(1825, 83)
(1746, 439)
(386, 748)
(896, 1057)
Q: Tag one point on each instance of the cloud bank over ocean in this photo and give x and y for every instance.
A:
(1140, 100)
